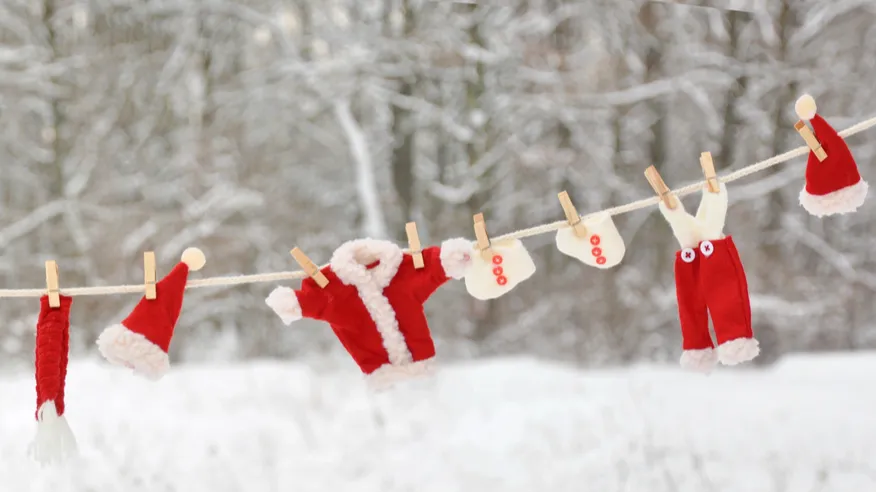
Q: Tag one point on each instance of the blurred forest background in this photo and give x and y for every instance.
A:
(247, 127)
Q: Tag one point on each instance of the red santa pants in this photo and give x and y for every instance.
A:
(710, 280)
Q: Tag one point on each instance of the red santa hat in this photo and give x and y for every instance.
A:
(833, 186)
(54, 441)
(142, 340)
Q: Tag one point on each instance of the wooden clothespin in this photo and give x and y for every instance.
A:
(483, 243)
(414, 244)
(149, 274)
(810, 139)
(309, 267)
(53, 286)
(709, 171)
(660, 187)
(572, 215)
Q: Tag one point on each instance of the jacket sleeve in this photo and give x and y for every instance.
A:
(290, 305)
(442, 264)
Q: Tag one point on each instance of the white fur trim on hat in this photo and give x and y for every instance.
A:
(738, 351)
(285, 304)
(456, 254)
(843, 201)
(388, 375)
(124, 347)
(805, 107)
(194, 258)
(699, 360)
(54, 441)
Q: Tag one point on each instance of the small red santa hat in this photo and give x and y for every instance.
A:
(833, 186)
(54, 440)
(142, 340)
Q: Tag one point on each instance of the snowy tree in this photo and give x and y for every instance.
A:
(246, 128)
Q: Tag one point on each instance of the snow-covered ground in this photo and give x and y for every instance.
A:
(808, 423)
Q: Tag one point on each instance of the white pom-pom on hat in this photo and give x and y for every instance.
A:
(805, 107)
(194, 258)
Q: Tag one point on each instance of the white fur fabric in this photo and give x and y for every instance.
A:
(121, 346)
(284, 303)
(708, 224)
(349, 263)
(386, 376)
(738, 351)
(517, 266)
(843, 201)
(610, 244)
(456, 255)
(54, 441)
(699, 360)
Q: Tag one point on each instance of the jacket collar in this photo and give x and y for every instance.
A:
(350, 262)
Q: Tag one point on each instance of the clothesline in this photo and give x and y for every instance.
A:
(523, 233)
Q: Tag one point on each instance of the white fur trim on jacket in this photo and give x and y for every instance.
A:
(285, 304)
(456, 254)
(738, 351)
(349, 263)
(842, 201)
(121, 346)
(388, 375)
(699, 360)
(54, 441)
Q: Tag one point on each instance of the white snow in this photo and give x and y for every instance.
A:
(808, 423)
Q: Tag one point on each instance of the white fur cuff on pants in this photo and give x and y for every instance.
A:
(699, 360)
(738, 351)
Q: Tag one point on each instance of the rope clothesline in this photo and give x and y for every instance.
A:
(520, 234)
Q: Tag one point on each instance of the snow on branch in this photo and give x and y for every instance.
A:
(366, 182)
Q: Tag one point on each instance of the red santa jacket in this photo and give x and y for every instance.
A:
(374, 303)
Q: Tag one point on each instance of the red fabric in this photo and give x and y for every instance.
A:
(726, 291)
(712, 285)
(836, 172)
(52, 346)
(341, 306)
(692, 313)
(156, 319)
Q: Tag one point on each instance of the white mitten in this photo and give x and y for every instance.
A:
(509, 265)
(603, 247)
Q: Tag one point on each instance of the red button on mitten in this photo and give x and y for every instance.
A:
(491, 277)
(602, 247)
